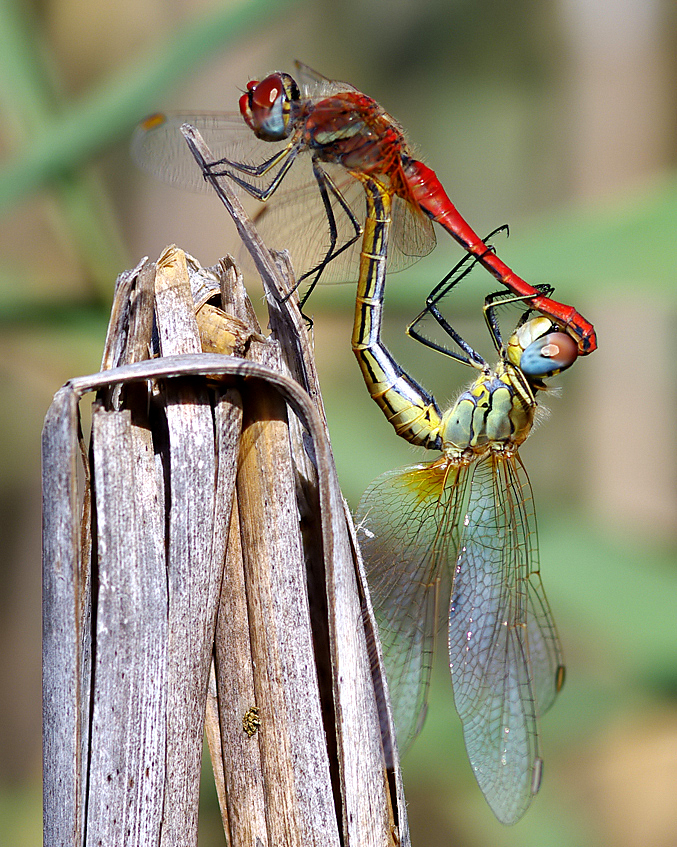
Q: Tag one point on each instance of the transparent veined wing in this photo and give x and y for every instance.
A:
(407, 524)
(505, 660)
(159, 148)
(313, 84)
(294, 218)
(412, 235)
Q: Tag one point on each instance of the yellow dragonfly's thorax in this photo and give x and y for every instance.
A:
(495, 413)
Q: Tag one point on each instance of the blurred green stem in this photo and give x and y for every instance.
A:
(56, 142)
(31, 103)
(110, 111)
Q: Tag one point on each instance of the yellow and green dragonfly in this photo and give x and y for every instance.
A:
(453, 542)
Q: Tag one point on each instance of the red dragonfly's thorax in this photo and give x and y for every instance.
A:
(352, 130)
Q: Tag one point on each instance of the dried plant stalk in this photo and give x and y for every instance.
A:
(217, 533)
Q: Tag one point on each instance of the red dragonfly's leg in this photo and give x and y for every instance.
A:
(455, 275)
(329, 189)
(286, 156)
(429, 194)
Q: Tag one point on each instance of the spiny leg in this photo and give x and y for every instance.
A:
(328, 189)
(501, 298)
(286, 156)
(455, 275)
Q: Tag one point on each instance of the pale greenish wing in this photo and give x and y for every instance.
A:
(545, 651)
(503, 649)
(407, 528)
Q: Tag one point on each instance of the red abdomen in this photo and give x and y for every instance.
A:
(427, 191)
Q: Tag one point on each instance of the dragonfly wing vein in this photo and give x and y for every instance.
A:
(407, 526)
(503, 648)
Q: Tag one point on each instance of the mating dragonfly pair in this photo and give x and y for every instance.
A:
(447, 543)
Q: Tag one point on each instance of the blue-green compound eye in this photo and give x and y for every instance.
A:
(548, 355)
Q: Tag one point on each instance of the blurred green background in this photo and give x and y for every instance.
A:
(557, 116)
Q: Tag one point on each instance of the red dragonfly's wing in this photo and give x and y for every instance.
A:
(412, 235)
(294, 218)
(505, 659)
(159, 148)
(407, 525)
(313, 84)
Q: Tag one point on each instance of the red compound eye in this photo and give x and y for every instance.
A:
(268, 106)
(267, 92)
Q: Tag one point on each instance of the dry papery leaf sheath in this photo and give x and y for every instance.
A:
(200, 573)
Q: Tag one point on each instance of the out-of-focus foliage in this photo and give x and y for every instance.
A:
(538, 114)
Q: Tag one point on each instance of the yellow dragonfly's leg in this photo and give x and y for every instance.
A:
(409, 408)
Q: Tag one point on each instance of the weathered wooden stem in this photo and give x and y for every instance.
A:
(207, 530)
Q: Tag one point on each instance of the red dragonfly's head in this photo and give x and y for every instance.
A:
(267, 106)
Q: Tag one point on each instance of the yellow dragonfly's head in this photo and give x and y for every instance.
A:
(539, 349)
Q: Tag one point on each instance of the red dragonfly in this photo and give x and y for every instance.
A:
(316, 209)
